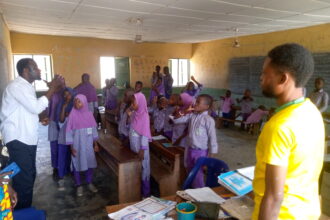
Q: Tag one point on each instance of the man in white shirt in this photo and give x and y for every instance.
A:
(19, 124)
(320, 97)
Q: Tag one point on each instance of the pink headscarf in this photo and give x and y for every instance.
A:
(80, 118)
(187, 100)
(88, 90)
(141, 121)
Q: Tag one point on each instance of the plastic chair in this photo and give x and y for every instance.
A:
(29, 214)
(214, 168)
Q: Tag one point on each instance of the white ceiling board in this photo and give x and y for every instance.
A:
(183, 12)
(206, 5)
(264, 13)
(294, 5)
(163, 20)
(321, 12)
(240, 19)
(121, 5)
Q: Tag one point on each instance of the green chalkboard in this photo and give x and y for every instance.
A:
(122, 71)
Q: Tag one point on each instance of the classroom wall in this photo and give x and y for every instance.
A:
(5, 56)
(73, 56)
(211, 58)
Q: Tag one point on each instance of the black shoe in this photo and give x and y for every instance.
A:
(55, 174)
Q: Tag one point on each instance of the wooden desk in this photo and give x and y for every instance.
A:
(125, 164)
(110, 123)
(166, 167)
(219, 190)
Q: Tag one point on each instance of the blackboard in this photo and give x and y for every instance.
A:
(244, 72)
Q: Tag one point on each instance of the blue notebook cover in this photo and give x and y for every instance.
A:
(235, 182)
(167, 144)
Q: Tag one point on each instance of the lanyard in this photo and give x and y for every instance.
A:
(296, 101)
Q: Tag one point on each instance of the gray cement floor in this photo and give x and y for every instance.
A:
(236, 148)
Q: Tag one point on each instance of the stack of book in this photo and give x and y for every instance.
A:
(238, 181)
(151, 208)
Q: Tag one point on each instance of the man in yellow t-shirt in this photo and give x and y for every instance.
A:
(291, 145)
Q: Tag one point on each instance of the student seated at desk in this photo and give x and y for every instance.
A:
(139, 134)
(158, 112)
(246, 103)
(201, 139)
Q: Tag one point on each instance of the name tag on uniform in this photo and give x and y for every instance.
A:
(89, 130)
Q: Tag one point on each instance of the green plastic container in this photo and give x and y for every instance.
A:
(186, 211)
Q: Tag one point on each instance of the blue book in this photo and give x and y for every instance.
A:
(235, 182)
(167, 145)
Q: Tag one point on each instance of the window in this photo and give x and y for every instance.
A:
(107, 67)
(180, 70)
(44, 64)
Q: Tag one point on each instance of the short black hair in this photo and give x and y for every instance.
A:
(139, 82)
(295, 59)
(320, 79)
(22, 64)
(208, 100)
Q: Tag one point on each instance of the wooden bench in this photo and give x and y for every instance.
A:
(166, 166)
(124, 163)
(220, 120)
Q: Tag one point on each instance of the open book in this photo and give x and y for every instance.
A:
(148, 209)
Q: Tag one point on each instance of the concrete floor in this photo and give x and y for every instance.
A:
(236, 148)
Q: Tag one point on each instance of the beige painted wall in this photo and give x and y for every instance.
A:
(211, 58)
(6, 73)
(73, 56)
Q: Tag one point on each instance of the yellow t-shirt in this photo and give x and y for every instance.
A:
(293, 138)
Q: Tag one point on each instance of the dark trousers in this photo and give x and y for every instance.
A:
(227, 116)
(25, 157)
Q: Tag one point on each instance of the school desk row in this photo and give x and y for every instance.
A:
(166, 164)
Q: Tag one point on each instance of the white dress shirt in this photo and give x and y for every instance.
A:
(19, 112)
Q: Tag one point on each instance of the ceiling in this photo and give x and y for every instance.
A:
(186, 21)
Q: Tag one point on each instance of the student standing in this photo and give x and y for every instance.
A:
(168, 82)
(123, 119)
(53, 130)
(19, 124)
(226, 106)
(111, 94)
(190, 87)
(81, 134)
(87, 89)
(320, 97)
(139, 134)
(64, 155)
(202, 139)
(158, 112)
(290, 148)
(173, 104)
(180, 129)
(157, 89)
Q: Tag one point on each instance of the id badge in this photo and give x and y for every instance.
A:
(89, 130)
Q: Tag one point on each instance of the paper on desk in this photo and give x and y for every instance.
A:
(239, 207)
(204, 194)
(248, 172)
(158, 137)
(130, 212)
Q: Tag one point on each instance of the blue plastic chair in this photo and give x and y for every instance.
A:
(214, 168)
(29, 214)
